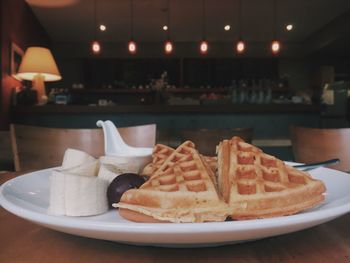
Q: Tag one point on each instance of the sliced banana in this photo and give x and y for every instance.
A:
(79, 186)
(57, 193)
(122, 162)
(89, 168)
(85, 196)
(76, 190)
(73, 157)
(77, 195)
(109, 171)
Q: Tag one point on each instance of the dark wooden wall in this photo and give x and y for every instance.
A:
(18, 25)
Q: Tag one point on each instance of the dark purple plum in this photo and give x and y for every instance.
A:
(121, 184)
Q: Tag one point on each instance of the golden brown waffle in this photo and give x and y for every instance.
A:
(258, 185)
(161, 152)
(183, 189)
(212, 161)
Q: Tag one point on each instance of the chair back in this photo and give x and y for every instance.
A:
(316, 145)
(40, 147)
(206, 140)
(6, 159)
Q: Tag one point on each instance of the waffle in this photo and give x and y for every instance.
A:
(161, 152)
(183, 189)
(257, 185)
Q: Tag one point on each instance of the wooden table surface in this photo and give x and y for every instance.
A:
(23, 241)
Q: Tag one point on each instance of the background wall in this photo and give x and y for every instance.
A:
(20, 26)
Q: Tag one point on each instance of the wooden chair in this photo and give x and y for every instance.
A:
(39, 147)
(206, 140)
(6, 158)
(315, 145)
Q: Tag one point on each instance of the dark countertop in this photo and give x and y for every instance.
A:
(165, 109)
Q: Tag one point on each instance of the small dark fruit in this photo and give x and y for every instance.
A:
(121, 184)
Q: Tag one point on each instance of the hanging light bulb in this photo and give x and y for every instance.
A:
(275, 44)
(275, 47)
(240, 47)
(95, 47)
(132, 47)
(203, 47)
(168, 47)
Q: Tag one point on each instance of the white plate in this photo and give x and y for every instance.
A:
(27, 197)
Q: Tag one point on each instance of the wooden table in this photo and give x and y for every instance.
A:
(23, 241)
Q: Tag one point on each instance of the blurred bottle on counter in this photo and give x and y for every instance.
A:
(62, 97)
(234, 92)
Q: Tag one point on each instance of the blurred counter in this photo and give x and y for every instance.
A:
(165, 109)
(270, 122)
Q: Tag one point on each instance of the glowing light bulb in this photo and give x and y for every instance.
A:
(165, 27)
(103, 27)
(289, 27)
(95, 47)
(168, 47)
(275, 47)
(227, 27)
(132, 47)
(240, 47)
(204, 47)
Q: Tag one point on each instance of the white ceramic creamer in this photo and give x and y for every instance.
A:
(117, 149)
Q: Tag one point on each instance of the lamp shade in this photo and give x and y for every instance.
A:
(38, 61)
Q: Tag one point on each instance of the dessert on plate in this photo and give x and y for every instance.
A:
(258, 185)
(182, 189)
(249, 184)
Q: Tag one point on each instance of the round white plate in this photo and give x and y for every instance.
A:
(27, 196)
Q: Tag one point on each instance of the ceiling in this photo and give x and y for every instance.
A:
(73, 20)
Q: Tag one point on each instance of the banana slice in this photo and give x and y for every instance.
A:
(90, 168)
(77, 191)
(57, 198)
(85, 196)
(73, 157)
(122, 162)
(109, 171)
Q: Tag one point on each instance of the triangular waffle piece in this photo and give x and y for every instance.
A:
(258, 185)
(161, 152)
(182, 190)
(212, 162)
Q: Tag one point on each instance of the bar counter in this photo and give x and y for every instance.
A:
(166, 109)
(269, 121)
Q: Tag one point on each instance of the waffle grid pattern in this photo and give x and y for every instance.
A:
(184, 171)
(162, 152)
(258, 173)
(185, 176)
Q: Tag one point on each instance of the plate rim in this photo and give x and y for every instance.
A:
(178, 228)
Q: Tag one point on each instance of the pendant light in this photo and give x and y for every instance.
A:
(240, 45)
(95, 45)
(275, 44)
(132, 47)
(203, 47)
(168, 45)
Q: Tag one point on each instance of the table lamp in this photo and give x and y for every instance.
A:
(39, 65)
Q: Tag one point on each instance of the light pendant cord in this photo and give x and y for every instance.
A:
(132, 19)
(203, 21)
(274, 19)
(168, 19)
(95, 19)
(240, 19)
